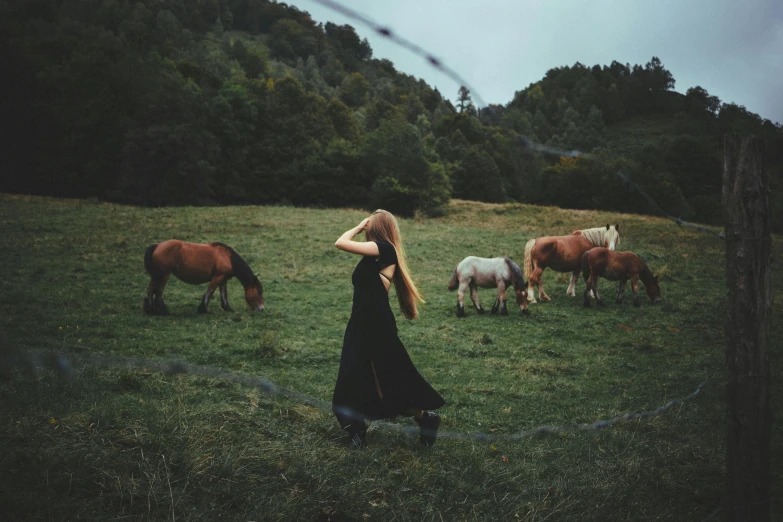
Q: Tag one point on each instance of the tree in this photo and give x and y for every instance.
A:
(343, 121)
(405, 180)
(657, 77)
(463, 99)
(349, 47)
(477, 178)
(354, 90)
(698, 99)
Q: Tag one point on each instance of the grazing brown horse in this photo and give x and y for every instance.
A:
(563, 254)
(618, 266)
(195, 264)
(497, 272)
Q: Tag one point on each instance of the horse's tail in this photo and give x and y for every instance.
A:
(149, 265)
(517, 279)
(586, 265)
(528, 263)
(454, 282)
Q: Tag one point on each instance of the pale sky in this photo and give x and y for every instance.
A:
(732, 48)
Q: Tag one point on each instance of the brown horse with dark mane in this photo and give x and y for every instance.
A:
(618, 266)
(195, 264)
(563, 254)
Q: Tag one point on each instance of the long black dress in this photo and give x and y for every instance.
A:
(377, 379)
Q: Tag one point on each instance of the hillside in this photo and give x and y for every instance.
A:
(220, 102)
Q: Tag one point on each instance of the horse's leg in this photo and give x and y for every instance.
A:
(224, 297)
(216, 281)
(474, 297)
(148, 300)
(160, 304)
(571, 291)
(531, 296)
(502, 297)
(537, 278)
(589, 285)
(531, 299)
(598, 300)
(621, 291)
(461, 299)
(635, 288)
(154, 303)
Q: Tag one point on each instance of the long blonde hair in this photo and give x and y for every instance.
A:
(383, 227)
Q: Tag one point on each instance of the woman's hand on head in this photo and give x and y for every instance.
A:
(365, 248)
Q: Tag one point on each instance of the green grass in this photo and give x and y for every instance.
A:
(135, 444)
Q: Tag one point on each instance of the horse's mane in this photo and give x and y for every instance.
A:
(594, 235)
(239, 266)
(646, 274)
(517, 278)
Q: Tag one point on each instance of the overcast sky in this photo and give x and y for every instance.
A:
(732, 48)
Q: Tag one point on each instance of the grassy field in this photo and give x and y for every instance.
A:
(135, 444)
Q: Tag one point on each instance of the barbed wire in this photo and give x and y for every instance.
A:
(626, 180)
(387, 32)
(63, 366)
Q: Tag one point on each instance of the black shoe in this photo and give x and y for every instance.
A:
(357, 433)
(428, 425)
(356, 439)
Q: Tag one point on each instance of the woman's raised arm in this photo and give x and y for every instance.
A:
(364, 248)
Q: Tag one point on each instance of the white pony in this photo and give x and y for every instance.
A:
(501, 272)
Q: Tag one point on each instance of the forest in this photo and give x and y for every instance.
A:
(218, 102)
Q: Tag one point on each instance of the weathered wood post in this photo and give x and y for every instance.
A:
(748, 249)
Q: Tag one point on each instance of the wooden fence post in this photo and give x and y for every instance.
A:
(748, 274)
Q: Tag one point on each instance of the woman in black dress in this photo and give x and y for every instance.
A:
(377, 379)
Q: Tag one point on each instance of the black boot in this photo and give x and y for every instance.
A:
(357, 433)
(428, 428)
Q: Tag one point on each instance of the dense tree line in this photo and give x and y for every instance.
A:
(173, 102)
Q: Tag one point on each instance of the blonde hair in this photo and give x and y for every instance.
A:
(383, 227)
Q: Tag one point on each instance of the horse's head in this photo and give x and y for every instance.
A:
(254, 295)
(653, 290)
(520, 290)
(612, 236)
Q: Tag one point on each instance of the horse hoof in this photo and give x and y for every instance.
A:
(600, 303)
(504, 312)
(201, 309)
(494, 311)
(525, 312)
(480, 310)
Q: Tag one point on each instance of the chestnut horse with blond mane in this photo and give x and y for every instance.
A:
(618, 266)
(195, 264)
(563, 254)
